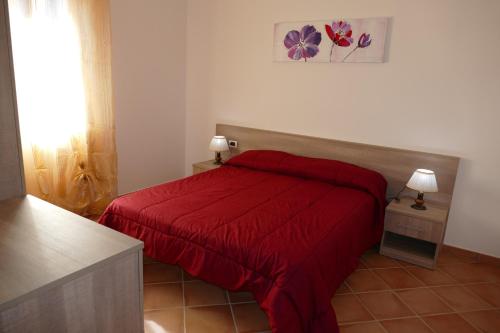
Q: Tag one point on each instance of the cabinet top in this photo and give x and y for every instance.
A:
(206, 165)
(433, 212)
(42, 245)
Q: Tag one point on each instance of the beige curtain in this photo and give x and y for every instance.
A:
(62, 63)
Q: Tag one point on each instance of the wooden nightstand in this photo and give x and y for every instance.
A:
(415, 236)
(204, 166)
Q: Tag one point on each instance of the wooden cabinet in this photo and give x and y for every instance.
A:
(11, 171)
(413, 235)
(60, 272)
(204, 166)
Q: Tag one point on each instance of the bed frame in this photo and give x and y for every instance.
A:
(396, 165)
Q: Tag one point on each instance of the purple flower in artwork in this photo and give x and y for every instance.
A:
(364, 41)
(303, 44)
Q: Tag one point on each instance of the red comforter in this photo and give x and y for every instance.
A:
(289, 229)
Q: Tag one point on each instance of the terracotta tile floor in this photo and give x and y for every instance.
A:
(382, 295)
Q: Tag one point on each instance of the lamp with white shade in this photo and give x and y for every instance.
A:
(423, 181)
(218, 145)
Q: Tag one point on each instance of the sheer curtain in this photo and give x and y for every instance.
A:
(62, 65)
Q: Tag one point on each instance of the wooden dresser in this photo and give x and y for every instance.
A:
(60, 272)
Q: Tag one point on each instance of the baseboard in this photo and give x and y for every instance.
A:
(470, 256)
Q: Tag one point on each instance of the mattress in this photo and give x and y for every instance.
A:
(288, 229)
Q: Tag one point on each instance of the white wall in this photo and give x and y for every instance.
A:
(149, 54)
(438, 92)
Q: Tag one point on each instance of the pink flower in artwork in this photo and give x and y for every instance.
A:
(340, 32)
(303, 44)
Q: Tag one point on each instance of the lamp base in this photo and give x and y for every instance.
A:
(419, 202)
(418, 207)
(218, 159)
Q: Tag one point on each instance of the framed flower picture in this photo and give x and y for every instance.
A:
(335, 40)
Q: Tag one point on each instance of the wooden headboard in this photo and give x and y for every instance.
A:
(396, 165)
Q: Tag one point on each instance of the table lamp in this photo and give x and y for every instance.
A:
(423, 181)
(218, 145)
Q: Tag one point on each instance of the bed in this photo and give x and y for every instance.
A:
(287, 228)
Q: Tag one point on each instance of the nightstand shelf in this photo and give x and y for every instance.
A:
(420, 251)
(412, 235)
(204, 166)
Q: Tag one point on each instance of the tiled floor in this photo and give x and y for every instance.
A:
(383, 295)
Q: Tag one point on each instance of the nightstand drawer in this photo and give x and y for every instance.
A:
(413, 227)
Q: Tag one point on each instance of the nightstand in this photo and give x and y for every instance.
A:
(411, 235)
(204, 166)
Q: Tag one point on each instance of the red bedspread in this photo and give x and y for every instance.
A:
(289, 229)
